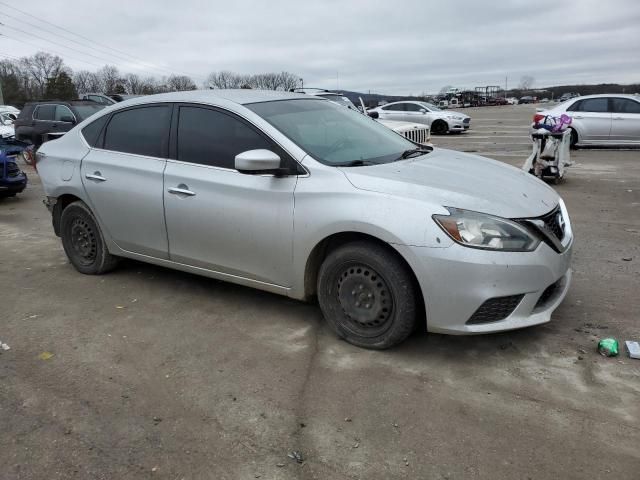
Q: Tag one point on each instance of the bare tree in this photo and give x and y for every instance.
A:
(444, 90)
(178, 83)
(40, 67)
(288, 81)
(83, 81)
(226, 79)
(526, 82)
(110, 78)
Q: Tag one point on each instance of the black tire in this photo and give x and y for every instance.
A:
(83, 242)
(573, 142)
(368, 296)
(439, 127)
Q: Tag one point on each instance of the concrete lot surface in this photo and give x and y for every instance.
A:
(149, 373)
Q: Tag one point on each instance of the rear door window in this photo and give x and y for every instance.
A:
(412, 107)
(595, 105)
(61, 112)
(624, 105)
(45, 112)
(91, 132)
(211, 137)
(141, 131)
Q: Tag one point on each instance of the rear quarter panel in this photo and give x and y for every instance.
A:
(59, 165)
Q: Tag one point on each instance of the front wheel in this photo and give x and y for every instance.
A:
(368, 296)
(83, 242)
(439, 127)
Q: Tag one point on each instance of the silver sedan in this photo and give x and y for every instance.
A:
(298, 196)
(440, 121)
(600, 119)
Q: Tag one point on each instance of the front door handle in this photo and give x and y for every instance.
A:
(578, 116)
(618, 118)
(181, 189)
(97, 176)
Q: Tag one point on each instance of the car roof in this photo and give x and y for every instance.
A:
(607, 95)
(240, 96)
(61, 102)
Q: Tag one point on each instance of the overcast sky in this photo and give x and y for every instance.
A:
(399, 47)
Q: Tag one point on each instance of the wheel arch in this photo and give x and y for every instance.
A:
(62, 202)
(436, 120)
(320, 251)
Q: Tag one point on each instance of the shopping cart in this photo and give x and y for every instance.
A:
(551, 141)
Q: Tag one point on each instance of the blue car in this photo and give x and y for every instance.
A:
(12, 179)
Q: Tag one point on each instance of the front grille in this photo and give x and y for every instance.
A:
(554, 223)
(495, 309)
(12, 169)
(548, 294)
(418, 135)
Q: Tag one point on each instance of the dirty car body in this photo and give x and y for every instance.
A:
(302, 197)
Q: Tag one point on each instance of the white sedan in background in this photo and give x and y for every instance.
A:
(439, 121)
(415, 132)
(611, 119)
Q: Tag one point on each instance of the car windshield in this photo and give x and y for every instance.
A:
(332, 134)
(85, 111)
(430, 106)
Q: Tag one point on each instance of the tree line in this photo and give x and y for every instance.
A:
(43, 76)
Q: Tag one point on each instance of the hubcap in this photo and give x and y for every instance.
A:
(83, 241)
(365, 300)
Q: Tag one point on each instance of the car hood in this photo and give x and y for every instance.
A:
(454, 179)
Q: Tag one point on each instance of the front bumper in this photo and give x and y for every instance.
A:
(456, 281)
(458, 125)
(13, 185)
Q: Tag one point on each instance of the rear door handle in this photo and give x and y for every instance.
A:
(578, 116)
(618, 118)
(97, 176)
(181, 189)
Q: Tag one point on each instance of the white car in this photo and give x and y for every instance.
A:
(9, 109)
(426, 113)
(415, 132)
(611, 119)
(6, 124)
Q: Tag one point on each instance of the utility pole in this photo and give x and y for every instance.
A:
(1, 97)
(506, 85)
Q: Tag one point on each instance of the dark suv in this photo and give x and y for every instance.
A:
(46, 120)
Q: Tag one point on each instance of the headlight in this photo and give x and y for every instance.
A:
(478, 230)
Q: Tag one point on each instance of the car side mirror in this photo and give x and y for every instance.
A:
(257, 162)
(373, 114)
(423, 111)
(67, 119)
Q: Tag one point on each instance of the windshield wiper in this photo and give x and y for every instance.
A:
(412, 151)
(355, 163)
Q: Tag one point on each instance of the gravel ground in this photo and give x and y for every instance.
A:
(153, 373)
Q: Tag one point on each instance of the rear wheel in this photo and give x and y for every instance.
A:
(83, 242)
(574, 139)
(439, 127)
(367, 295)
